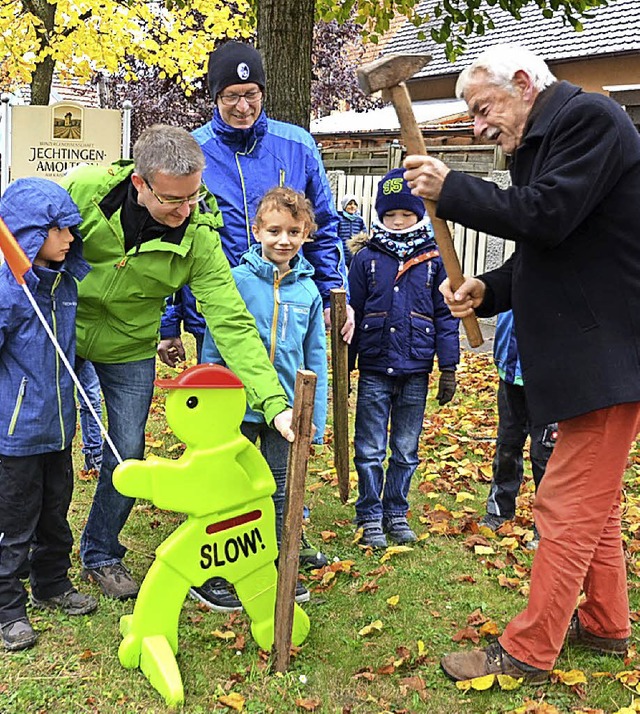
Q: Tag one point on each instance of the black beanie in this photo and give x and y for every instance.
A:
(234, 63)
(394, 194)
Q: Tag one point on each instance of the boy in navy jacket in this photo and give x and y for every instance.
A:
(402, 323)
(37, 408)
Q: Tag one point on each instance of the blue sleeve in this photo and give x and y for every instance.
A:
(325, 252)
(315, 359)
(171, 321)
(210, 352)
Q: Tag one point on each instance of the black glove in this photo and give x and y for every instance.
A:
(446, 387)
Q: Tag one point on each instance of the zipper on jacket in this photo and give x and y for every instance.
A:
(282, 178)
(429, 273)
(274, 318)
(54, 329)
(277, 279)
(16, 409)
(247, 223)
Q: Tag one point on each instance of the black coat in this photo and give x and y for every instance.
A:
(574, 280)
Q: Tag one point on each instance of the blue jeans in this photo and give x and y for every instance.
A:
(275, 449)
(127, 389)
(388, 409)
(91, 436)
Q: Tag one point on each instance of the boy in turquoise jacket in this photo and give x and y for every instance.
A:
(275, 281)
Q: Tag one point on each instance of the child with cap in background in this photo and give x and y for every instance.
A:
(37, 409)
(402, 323)
(351, 223)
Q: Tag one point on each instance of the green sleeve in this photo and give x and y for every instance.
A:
(233, 327)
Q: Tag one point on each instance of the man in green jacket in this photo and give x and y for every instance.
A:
(145, 236)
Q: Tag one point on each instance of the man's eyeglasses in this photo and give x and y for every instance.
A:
(191, 200)
(230, 100)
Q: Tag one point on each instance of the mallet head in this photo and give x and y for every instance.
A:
(389, 71)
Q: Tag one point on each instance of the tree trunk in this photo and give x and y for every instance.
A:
(43, 74)
(41, 81)
(285, 39)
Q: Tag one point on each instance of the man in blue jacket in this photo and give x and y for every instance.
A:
(247, 154)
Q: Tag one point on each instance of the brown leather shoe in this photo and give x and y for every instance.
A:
(577, 635)
(491, 660)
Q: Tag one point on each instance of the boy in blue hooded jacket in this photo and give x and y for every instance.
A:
(402, 324)
(37, 408)
(275, 281)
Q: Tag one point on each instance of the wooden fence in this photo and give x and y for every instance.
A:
(477, 251)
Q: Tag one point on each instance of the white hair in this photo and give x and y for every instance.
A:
(500, 63)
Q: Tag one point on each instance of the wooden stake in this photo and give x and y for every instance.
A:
(339, 364)
(288, 560)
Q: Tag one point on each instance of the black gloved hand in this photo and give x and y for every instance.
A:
(446, 387)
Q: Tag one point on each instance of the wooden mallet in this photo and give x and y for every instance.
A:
(389, 74)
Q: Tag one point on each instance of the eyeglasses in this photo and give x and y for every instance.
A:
(230, 100)
(191, 200)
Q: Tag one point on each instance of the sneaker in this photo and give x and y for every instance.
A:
(71, 603)
(114, 580)
(93, 461)
(302, 594)
(492, 521)
(398, 530)
(372, 535)
(577, 635)
(18, 635)
(461, 666)
(217, 594)
(534, 542)
(311, 558)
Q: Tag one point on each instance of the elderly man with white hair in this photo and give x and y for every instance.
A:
(573, 283)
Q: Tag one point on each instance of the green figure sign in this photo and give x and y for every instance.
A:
(224, 485)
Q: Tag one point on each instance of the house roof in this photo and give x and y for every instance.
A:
(69, 91)
(386, 119)
(612, 30)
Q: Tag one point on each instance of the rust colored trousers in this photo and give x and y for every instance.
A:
(577, 511)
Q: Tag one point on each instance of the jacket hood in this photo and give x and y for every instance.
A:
(346, 200)
(357, 242)
(30, 206)
(300, 266)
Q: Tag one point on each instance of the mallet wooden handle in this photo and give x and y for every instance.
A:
(412, 137)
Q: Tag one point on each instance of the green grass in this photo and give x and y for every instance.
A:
(439, 583)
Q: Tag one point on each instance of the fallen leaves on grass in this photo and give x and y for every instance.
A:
(374, 627)
(309, 705)
(394, 550)
(570, 678)
(481, 684)
(467, 633)
(233, 700)
(226, 635)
